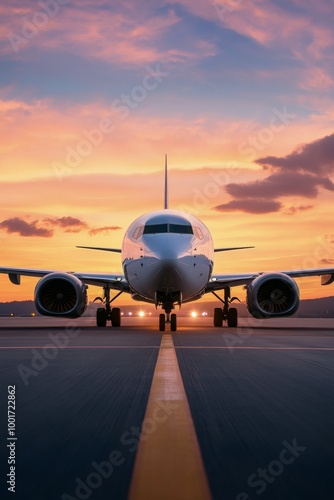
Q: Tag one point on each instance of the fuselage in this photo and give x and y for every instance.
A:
(167, 253)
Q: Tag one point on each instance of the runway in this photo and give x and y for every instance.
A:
(203, 413)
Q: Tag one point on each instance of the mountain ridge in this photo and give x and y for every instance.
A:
(309, 308)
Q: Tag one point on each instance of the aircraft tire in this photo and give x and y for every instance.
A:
(173, 323)
(116, 316)
(162, 322)
(218, 317)
(101, 317)
(232, 317)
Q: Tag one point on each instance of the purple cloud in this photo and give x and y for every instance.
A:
(316, 157)
(294, 210)
(70, 224)
(251, 206)
(23, 228)
(280, 184)
(67, 224)
(301, 173)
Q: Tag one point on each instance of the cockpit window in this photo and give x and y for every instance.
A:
(198, 233)
(138, 232)
(180, 228)
(155, 228)
(168, 228)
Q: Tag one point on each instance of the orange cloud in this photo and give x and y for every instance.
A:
(38, 135)
(104, 230)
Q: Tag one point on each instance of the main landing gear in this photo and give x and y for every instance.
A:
(107, 313)
(227, 313)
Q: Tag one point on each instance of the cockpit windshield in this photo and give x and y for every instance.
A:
(168, 228)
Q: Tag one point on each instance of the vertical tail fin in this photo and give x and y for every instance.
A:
(166, 184)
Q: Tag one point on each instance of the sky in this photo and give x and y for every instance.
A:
(238, 93)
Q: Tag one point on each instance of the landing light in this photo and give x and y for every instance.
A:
(194, 314)
(141, 314)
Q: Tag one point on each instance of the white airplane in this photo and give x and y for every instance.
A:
(167, 259)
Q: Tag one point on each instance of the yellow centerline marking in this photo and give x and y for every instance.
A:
(257, 348)
(84, 347)
(168, 462)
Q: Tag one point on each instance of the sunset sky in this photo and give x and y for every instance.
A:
(238, 93)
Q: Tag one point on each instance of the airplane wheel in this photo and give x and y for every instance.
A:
(162, 322)
(232, 317)
(116, 316)
(173, 323)
(101, 317)
(218, 317)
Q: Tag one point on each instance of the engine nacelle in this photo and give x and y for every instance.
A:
(272, 295)
(61, 294)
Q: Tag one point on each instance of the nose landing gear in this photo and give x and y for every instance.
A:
(167, 301)
(165, 319)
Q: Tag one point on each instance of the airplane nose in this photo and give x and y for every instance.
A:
(168, 249)
(168, 258)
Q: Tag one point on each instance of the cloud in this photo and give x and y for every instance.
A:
(117, 34)
(316, 79)
(301, 32)
(37, 227)
(301, 173)
(281, 184)
(327, 261)
(316, 157)
(250, 206)
(294, 210)
(104, 230)
(24, 228)
(37, 139)
(69, 224)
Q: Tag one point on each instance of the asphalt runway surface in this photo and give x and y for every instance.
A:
(235, 414)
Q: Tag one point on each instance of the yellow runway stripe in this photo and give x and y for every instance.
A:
(168, 462)
(257, 348)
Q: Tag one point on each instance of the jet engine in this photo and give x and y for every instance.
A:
(272, 295)
(61, 294)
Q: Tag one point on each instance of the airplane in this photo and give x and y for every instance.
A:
(167, 259)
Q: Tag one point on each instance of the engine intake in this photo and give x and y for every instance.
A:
(61, 294)
(272, 295)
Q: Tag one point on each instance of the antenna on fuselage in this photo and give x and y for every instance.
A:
(166, 184)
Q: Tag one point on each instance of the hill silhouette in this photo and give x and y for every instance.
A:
(311, 308)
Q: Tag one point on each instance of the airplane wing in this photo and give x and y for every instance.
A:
(221, 281)
(114, 281)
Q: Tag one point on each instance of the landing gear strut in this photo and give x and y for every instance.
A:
(227, 313)
(107, 313)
